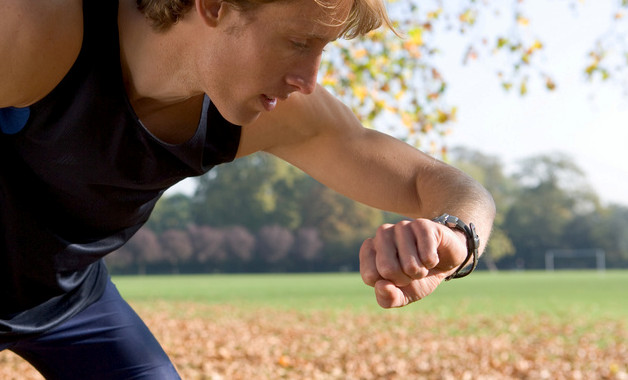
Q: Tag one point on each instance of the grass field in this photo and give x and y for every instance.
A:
(560, 294)
(525, 325)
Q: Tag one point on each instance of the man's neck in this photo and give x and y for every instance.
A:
(152, 62)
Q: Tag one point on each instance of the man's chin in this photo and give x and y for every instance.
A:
(239, 117)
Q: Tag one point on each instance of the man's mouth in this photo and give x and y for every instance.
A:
(269, 102)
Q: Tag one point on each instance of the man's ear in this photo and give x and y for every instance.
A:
(210, 10)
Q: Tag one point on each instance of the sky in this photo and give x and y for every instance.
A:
(589, 122)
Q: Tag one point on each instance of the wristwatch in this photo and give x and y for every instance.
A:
(473, 243)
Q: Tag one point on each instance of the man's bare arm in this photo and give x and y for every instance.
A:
(39, 42)
(321, 136)
(406, 261)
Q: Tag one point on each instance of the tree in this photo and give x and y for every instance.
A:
(120, 260)
(561, 172)
(553, 193)
(170, 212)
(342, 223)
(262, 190)
(176, 247)
(208, 244)
(239, 243)
(252, 191)
(145, 249)
(308, 244)
(274, 242)
(609, 231)
(390, 81)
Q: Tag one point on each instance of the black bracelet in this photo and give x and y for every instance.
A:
(473, 243)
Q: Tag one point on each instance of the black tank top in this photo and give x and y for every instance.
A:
(79, 175)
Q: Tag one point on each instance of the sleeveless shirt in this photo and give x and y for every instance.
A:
(79, 175)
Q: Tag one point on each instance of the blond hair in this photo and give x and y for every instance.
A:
(365, 15)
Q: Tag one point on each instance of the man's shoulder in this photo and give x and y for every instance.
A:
(39, 42)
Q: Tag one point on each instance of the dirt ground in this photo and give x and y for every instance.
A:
(223, 343)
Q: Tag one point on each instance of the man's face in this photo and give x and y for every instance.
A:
(257, 59)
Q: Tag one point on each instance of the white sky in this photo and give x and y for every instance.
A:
(587, 121)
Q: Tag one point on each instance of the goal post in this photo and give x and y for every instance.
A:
(575, 254)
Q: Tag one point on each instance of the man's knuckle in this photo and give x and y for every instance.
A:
(385, 230)
(387, 271)
(430, 260)
(411, 268)
(369, 278)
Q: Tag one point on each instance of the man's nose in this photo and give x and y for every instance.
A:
(303, 77)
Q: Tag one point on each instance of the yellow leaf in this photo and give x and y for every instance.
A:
(412, 49)
(523, 88)
(434, 14)
(537, 45)
(328, 80)
(590, 69)
(605, 74)
(468, 17)
(360, 92)
(359, 53)
(523, 21)
(407, 119)
(442, 117)
(501, 42)
(416, 36)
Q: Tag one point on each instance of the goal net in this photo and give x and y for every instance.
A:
(575, 259)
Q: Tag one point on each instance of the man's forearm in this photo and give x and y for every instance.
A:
(445, 189)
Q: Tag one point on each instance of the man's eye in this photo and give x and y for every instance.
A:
(300, 44)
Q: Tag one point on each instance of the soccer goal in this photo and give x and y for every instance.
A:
(575, 259)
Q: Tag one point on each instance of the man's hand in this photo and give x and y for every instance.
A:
(406, 261)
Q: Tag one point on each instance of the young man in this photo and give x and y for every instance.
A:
(103, 106)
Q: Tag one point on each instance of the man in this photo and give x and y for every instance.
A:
(103, 106)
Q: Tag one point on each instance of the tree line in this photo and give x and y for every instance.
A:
(259, 214)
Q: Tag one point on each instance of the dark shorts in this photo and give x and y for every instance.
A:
(108, 340)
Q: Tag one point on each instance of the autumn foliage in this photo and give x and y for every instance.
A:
(397, 85)
(222, 342)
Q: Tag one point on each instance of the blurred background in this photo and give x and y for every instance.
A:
(529, 97)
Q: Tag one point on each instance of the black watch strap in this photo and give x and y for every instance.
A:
(473, 243)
